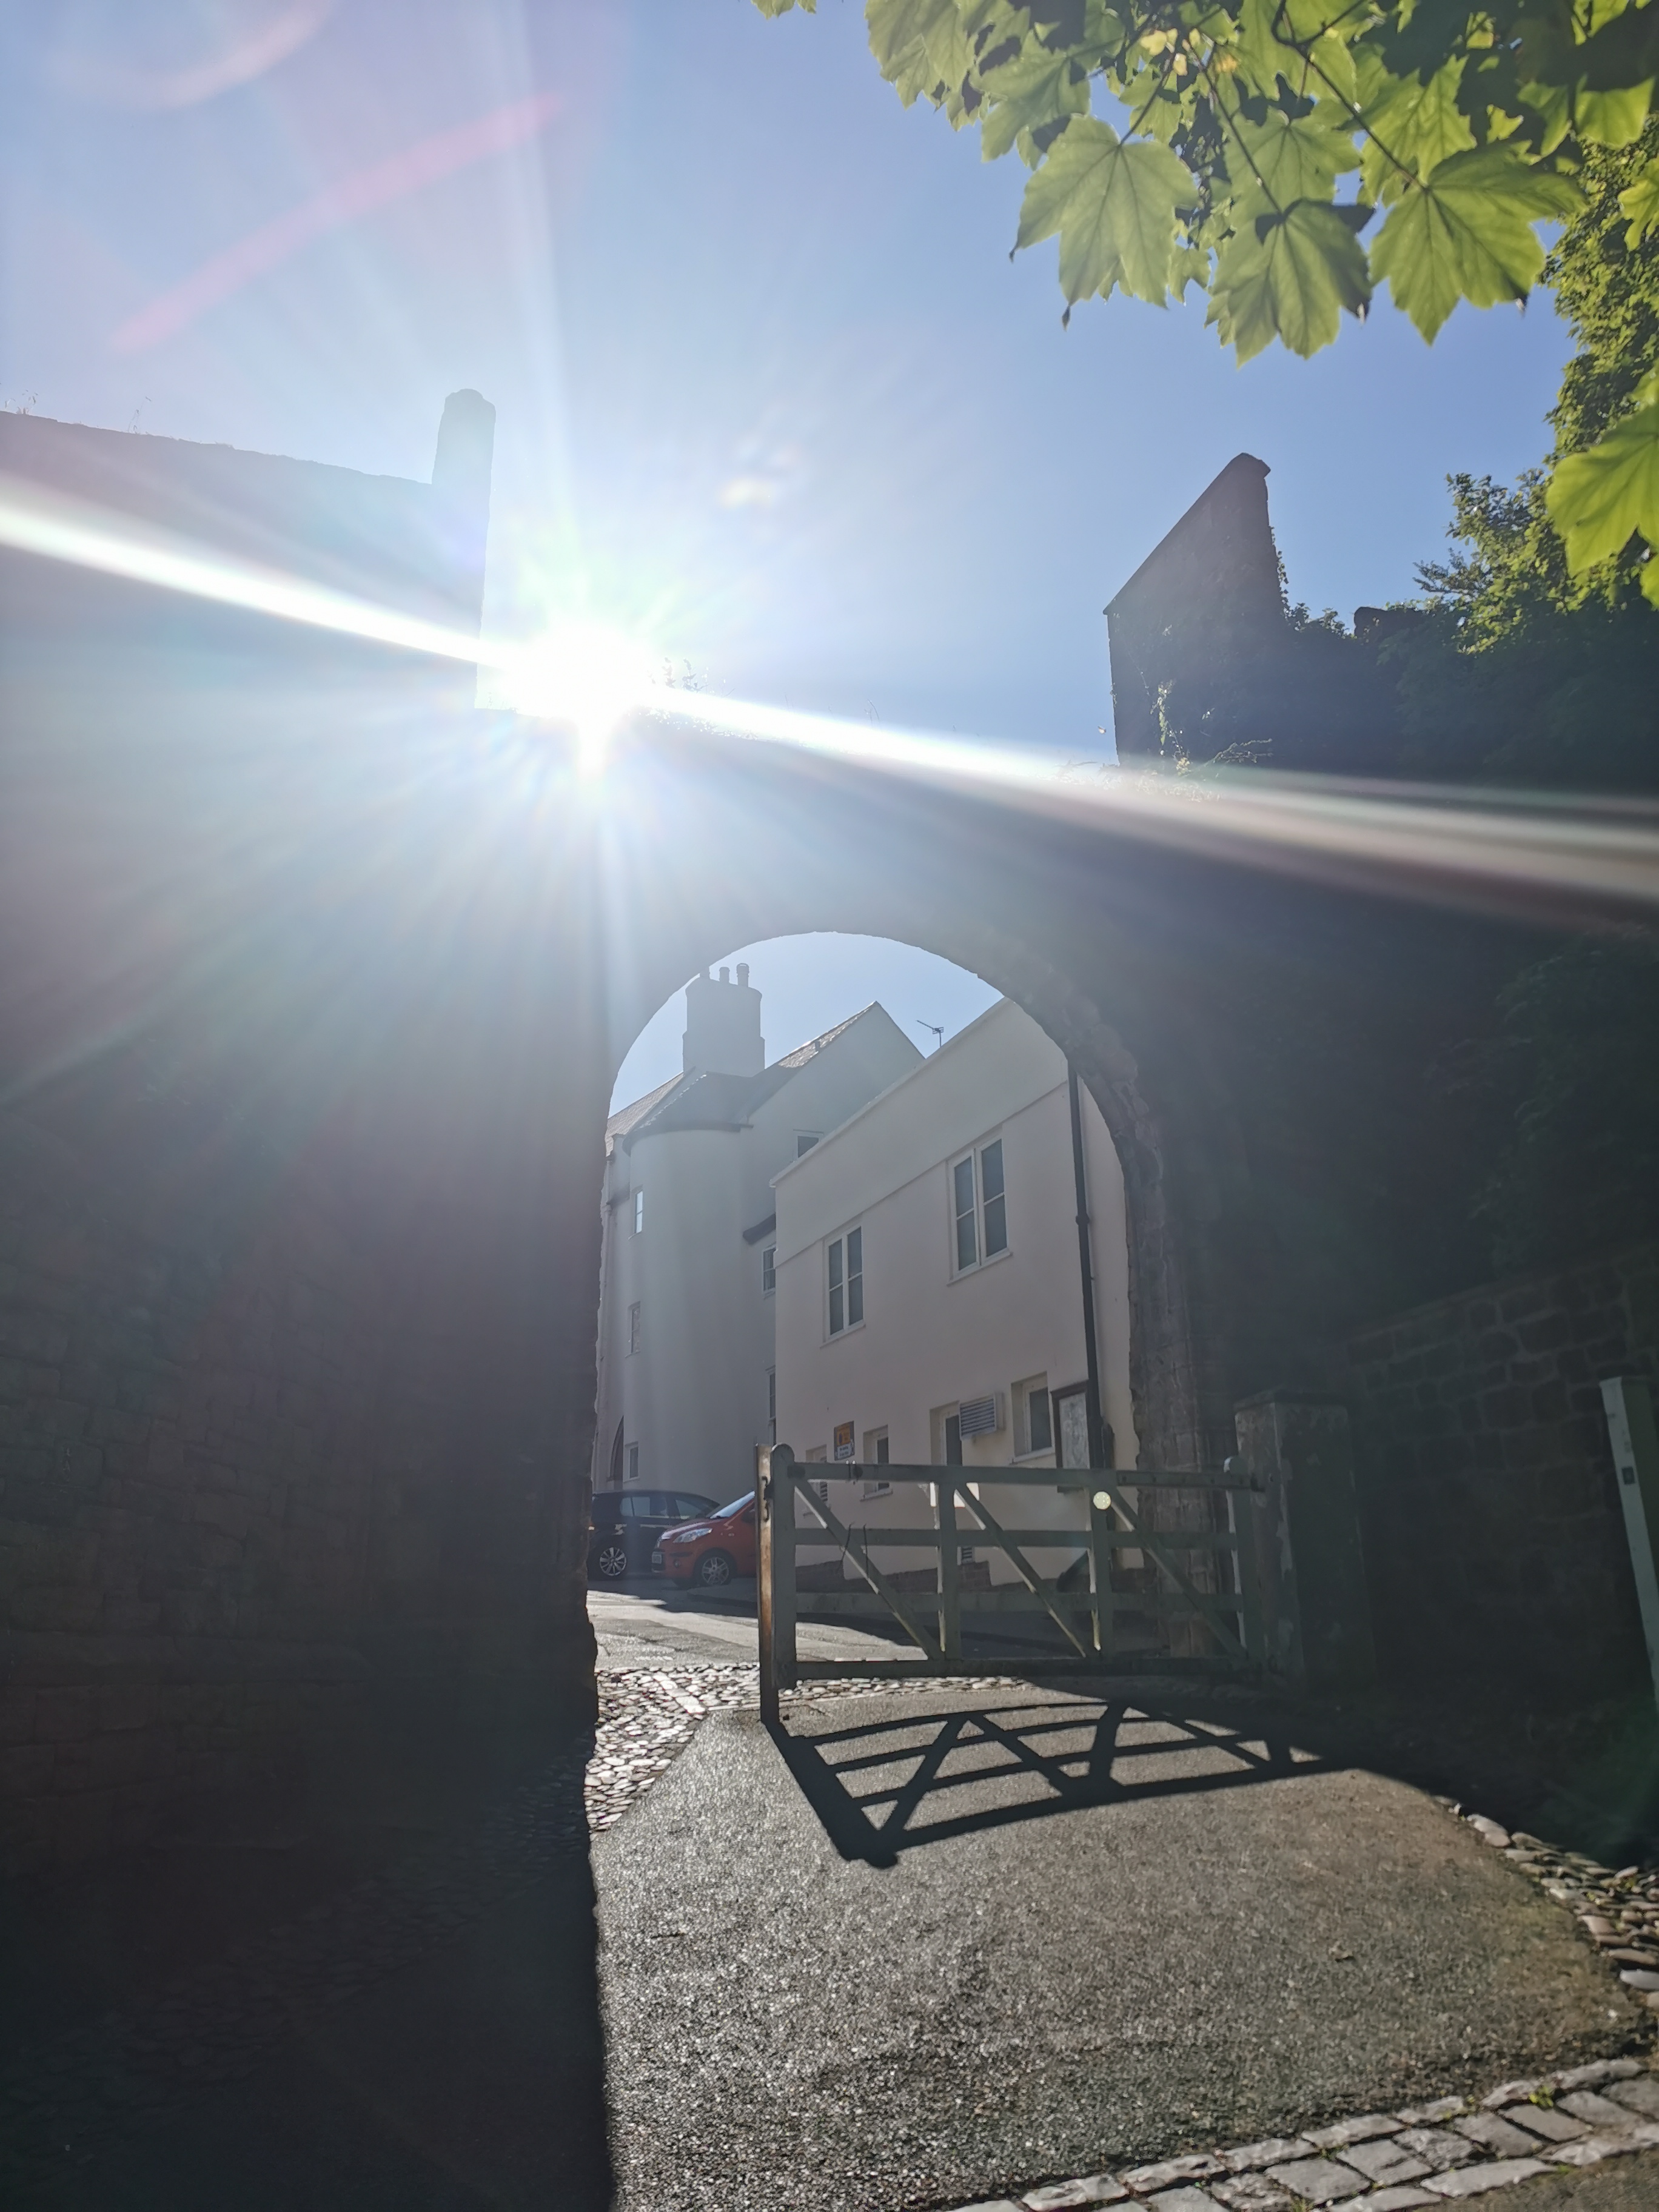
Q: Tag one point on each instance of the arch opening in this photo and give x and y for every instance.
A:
(870, 1244)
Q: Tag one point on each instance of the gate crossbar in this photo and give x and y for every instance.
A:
(1237, 1618)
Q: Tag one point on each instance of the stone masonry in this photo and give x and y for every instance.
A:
(1493, 1538)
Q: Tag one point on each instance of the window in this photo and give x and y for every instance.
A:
(633, 1462)
(979, 1206)
(995, 1204)
(617, 1458)
(1033, 1430)
(876, 1455)
(817, 1456)
(769, 1270)
(967, 1239)
(639, 1212)
(633, 1329)
(804, 1144)
(772, 1405)
(846, 1281)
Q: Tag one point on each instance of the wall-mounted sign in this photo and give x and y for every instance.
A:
(843, 1440)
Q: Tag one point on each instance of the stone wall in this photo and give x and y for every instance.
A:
(232, 1505)
(1494, 1541)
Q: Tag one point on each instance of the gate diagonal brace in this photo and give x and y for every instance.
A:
(1028, 1574)
(1206, 1605)
(867, 1567)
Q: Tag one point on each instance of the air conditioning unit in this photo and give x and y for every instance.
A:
(981, 1417)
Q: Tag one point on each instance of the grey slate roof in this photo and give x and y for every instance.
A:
(697, 1101)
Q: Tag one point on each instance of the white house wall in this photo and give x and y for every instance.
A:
(693, 1399)
(928, 1341)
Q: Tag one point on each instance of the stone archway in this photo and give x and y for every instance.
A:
(303, 1183)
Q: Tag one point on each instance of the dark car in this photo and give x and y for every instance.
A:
(626, 1526)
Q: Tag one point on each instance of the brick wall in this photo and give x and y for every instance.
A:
(243, 1484)
(1494, 1540)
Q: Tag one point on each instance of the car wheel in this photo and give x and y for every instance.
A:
(613, 1562)
(715, 1569)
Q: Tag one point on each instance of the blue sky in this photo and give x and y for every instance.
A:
(770, 392)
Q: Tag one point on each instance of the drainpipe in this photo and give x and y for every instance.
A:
(1092, 1393)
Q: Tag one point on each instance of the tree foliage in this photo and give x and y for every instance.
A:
(1212, 143)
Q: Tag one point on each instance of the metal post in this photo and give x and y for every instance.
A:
(765, 1499)
(1629, 1404)
(1100, 1557)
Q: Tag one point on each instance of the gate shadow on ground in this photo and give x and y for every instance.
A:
(891, 1785)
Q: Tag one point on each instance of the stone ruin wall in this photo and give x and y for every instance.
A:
(1495, 1543)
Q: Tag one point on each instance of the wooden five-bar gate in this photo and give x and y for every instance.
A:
(1244, 1621)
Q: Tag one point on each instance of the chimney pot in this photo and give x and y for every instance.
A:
(743, 974)
(725, 975)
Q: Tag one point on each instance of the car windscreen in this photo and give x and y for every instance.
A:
(735, 1506)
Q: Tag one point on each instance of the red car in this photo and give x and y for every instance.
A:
(709, 1552)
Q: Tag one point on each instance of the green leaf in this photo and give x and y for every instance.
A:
(1292, 158)
(1640, 206)
(1289, 278)
(1466, 234)
(1599, 499)
(1650, 580)
(1113, 205)
(1411, 125)
(1612, 118)
(1024, 95)
(919, 47)
(775, 7)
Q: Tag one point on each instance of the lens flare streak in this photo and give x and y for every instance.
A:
(1429, 842)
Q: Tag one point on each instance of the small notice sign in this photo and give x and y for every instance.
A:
(843, 1440)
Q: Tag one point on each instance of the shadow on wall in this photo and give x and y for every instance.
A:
(379, 1994)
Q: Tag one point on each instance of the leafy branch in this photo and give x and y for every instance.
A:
(1467, 125)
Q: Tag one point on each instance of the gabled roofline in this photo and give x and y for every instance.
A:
(913, 1075)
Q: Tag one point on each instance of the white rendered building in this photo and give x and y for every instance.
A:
(686, 1360)
(930, 1296)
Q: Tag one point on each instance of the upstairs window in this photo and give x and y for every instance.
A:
(979, 1206)
(769, 1270)
(963, 1187)
(846, 1281)
(633, 1462)
(633, 1329)
(639, 1212)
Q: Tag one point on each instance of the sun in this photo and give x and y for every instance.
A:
(585, 675)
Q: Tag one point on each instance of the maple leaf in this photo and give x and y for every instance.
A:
(1411, 126)
(1024, 95)
(919, 47)
(1289, 277)
(1598, 500)
(1292, 158)
(1113, 203)
(1466, 233)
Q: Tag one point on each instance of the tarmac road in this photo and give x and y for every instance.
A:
(1235, 1945)
(648, 1623)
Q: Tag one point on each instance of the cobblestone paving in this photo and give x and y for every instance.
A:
(213, 2025)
